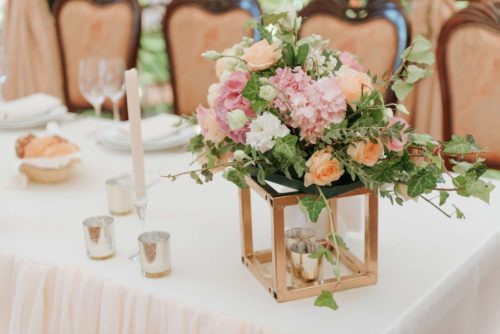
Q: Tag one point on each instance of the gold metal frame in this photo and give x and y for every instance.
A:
(364, 272)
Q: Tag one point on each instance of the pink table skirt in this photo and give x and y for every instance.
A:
(38, 298)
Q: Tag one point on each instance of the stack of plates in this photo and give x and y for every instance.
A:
(158, 133)
(31, 111)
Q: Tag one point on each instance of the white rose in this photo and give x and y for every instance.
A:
(267, 92)
(264, 130)
(291, 21)
(237, 119)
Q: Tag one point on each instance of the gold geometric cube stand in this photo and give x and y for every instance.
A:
(363, 272)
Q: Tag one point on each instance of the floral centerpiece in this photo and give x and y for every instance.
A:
(295, 108)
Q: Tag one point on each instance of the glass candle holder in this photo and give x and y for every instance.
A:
(304, 268)
(154, 254)
(295, 234)
(99, 237)
(120, 199)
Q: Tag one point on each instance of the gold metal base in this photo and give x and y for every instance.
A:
(157, 275)
(100, 258)
(275, 281)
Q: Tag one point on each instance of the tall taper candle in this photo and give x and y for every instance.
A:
(134, 115)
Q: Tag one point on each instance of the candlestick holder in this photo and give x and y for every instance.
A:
(141, 204)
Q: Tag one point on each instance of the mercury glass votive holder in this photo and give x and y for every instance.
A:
(154, 254)
(295, 234)
(304, 268)
(99, 237)
(120, 199)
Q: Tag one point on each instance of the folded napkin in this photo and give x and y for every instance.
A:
(29, 106)
(154, 128)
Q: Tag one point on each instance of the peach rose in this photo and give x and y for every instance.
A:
(353, 83)
(262, 55)
(210, 128)
(323, 168)
(366, 152)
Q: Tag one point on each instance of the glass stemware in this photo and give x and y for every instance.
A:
(141, 203)
(114, 87)
(90, 82)
(3, 71)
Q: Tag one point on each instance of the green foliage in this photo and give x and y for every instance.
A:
(302, 53)
(237, 177)
(402, 89)
(420, 183)
(312, 207)
(459, 145)
(325, 299)
(322, 251)
(196, 143)
(251, 90)
(419, 51)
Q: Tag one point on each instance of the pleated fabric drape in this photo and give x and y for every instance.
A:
(30, 46)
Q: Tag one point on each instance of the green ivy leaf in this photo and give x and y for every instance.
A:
(460, 145)
(196, 143)
(443, 196)
(420, 183)
(420, 138)
(252, 88)
(419, 51)
(312, 207)
(322, 251)
(302, 54)
(195, 177)
(285, 150)
(480, 189)
(402, 89)
(237, 177)
(339, 240)
(416, 73)
(325, 299)
(460, 214)
(261, 176)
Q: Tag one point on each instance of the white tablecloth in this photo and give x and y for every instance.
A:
(435, 275)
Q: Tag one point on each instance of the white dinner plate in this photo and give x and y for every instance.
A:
(34, 121)
(109, 139)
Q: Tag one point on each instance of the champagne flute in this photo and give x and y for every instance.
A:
(90, 81)
(114, 87)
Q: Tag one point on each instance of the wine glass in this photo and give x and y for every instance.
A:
(90, 81)
(3, 71)
(141, 203)
(114, 88)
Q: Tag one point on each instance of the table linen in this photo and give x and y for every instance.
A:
(435, 275)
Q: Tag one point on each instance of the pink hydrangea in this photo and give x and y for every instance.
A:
(350, 60)
(311, 106)
(229, 99)
(289, 81)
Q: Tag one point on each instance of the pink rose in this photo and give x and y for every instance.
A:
(210, 128)
(350, 60)
(394, 144)
(229, 99)
(262, 55)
